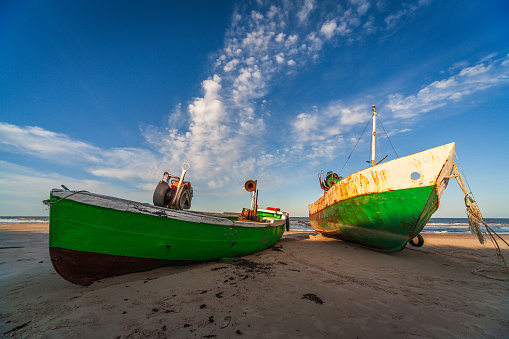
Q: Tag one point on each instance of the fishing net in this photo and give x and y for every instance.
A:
(475, 220)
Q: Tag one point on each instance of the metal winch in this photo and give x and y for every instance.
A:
(173, 192)
(326, 182)
(250, 214)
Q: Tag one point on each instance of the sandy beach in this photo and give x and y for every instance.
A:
(306, 286)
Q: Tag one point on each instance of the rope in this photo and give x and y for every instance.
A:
(478, 272)
(475, 217)
(458, 160)
(49, 203)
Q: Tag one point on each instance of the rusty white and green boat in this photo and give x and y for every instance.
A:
(386, 205)
(93, 236)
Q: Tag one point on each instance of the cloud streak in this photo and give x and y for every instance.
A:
(45, 144)
(321, 132)
(467, 81)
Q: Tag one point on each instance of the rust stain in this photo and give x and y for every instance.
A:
(391, 176)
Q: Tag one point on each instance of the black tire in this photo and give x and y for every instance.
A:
(160, 193)
(184, 199)
(419, 243)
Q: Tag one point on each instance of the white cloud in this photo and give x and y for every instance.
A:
(394, 20)
(231, 65)
(362, 6)
(45, 144)
(292, 40)
(280, 58)
(256, 15)
(457, 65)
(317, 133)
(306, 8)
(130, 164)
(15, 197)
(329, 29)
(438, 94)
(475, 70)
(343, 24)
(315, 43)
(306, 125)
(280, 37)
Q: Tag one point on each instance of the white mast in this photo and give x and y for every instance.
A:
(373, 138)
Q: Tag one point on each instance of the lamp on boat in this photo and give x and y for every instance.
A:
(250, 185)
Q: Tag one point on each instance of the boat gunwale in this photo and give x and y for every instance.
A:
(438, 176)
(125, 205)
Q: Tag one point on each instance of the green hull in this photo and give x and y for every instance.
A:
(143, 237)
(385, 221)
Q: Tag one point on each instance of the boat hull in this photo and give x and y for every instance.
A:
(83, 268)
(384, 207)
(93, 236)
(385, 221)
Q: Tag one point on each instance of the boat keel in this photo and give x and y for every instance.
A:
(83, 268)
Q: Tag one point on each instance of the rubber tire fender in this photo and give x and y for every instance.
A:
(419, 243)
(160, 193)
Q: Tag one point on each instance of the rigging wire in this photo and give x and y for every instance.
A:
(397, 156)
(379, 149)
(355, 146)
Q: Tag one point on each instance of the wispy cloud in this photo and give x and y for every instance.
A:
(45, 144)
(318, 134)
(321, 132)
(119, 163)
(466, 81)
(305, 9)
(394, 20)
(19, 187)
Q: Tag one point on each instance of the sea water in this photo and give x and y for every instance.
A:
(434, 225)
(24, 220)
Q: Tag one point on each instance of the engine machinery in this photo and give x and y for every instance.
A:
(173, 192)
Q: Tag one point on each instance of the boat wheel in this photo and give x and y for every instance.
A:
(419, 243)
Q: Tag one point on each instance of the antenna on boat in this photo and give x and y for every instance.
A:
(373, 138)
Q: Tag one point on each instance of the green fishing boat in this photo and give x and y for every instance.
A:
(93, 236)
(386, 205)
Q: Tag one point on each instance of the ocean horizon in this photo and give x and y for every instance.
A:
(434, 225)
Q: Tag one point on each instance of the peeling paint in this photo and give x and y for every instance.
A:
(433, 165)
(383, 206)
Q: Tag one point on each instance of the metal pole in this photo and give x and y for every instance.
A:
(373, 138)
(177, 193)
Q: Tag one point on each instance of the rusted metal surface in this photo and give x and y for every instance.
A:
(248, 215)
(433, 165)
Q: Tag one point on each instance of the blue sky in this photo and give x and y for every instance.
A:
(107, 95)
